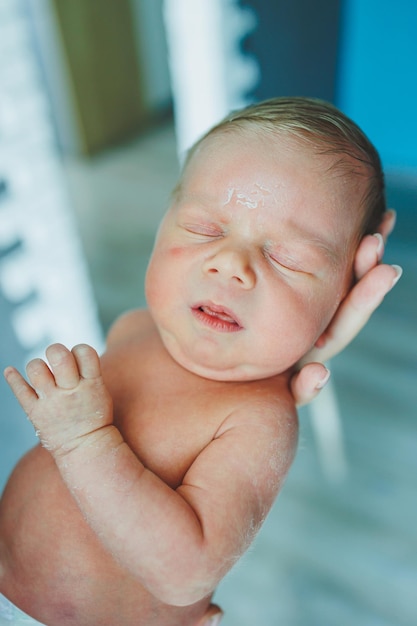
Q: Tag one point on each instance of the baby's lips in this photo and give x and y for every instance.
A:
(217, 310)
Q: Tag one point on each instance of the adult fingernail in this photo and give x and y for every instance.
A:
(380, 247)
(323, 381)
(399, 271)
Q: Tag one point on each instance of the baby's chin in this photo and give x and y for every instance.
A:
(222, 372)
(228, 369)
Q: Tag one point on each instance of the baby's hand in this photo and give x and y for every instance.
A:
(67, 402)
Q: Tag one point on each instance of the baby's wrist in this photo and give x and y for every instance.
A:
(88, 446)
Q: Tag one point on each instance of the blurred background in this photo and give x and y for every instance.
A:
(98, 102)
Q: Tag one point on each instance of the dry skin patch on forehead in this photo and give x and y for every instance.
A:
(255, 199)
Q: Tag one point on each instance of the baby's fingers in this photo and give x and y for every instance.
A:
(87, 360)
(25, 394)
(63, 365)
(40, 377)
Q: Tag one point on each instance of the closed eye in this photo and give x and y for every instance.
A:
(288, 263)
(203, 230)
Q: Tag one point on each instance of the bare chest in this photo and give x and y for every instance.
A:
(167, 421)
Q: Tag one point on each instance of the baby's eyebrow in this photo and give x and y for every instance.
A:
(324, 249)
(205, 200)
(204, 206)
(317, 242)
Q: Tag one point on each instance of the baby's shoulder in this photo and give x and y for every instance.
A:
(261, 435)
(265, 405)
(131, 324)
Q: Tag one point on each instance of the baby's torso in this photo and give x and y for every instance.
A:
(166, 414)
(51, 564)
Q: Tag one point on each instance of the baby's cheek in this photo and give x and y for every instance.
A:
(164, 271)
(176, 252)
(327, 310)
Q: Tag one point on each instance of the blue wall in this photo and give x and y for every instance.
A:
(296, 45)
(377, 80)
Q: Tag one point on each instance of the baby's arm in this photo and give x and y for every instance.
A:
(178, 543)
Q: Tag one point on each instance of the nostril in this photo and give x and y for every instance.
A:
(231, 265)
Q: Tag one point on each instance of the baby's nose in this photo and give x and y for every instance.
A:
(232, 264)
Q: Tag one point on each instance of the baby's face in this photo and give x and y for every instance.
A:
(253, 257)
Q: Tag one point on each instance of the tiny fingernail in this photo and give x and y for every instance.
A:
(399, 271)
(215, 620)
(323, 381)
(381, 245)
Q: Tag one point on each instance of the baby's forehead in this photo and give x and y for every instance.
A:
(333, 160)
(316, 174)
(324, 153)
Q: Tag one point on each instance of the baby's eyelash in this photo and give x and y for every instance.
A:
(205, 230)
(287, 262)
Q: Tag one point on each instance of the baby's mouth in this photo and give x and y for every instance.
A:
(217, 317)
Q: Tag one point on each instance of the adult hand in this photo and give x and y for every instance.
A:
(212, 616)
(373, 281)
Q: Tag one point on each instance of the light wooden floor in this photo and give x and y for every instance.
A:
(331, 553)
